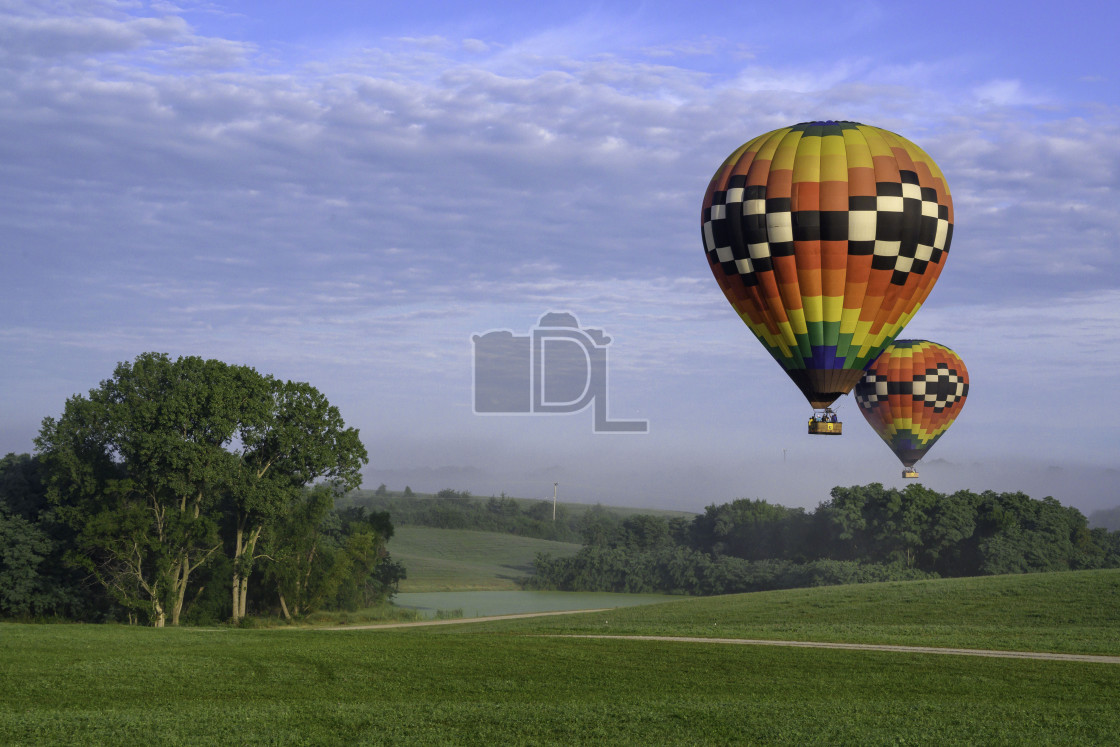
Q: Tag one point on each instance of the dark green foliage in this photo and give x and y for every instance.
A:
(676, 569)
(1028, 535)
(1109, 544)
(22, 491)
(160, 482)
(597, 525)
(209, 600)
(375, 576)
(24, 547)
(24, 583)
(750, 529)
(34, 579)
(304, 564)
(864, 533)
(315, 557)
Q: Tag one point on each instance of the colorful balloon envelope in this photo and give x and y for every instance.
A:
(826, 237)
(911, 394)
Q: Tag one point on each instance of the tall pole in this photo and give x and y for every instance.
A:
(555, 489)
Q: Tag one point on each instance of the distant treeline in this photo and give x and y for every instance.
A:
(458, 509)
(863, 533)
(1109, 518)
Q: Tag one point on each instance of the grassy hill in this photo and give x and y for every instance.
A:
(463, 560)
(510, 682)
(1070, 612)
(445, 559)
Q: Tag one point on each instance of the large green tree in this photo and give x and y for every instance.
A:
(152, 465)
(298, 437)
(137, 468)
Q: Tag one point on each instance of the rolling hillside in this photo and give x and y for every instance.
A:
(463, 560)
(527, 682)
(1069, 612)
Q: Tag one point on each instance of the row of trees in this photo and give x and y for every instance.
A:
(458, 509)
(1109, 518)
(175, 478)
(863, 533)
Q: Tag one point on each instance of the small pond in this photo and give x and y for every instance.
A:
(483, 603)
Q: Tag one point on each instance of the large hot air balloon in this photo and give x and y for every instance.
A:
(910, 395)
(826, 237)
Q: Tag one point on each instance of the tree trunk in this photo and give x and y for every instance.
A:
(179, 580)
(243, 551)
(236, 615)
(284, 606)
(244, 592)
(181, 575)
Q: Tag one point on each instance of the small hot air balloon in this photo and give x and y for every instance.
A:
(910, 395)
(826, 237)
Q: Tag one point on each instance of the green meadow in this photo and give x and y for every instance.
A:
(1074, 612)
(513, 682)
(466, 560)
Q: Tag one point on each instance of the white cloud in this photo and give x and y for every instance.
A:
(1005, 93)
(51, 37)
(475, 46)
(356, 216)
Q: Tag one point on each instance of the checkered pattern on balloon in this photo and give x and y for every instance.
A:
(911, 395)
(827, 237)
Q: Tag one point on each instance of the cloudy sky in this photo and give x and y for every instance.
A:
(344, 193)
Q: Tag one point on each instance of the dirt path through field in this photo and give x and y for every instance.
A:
(1099, 659)
(866, 647)
(457, 620)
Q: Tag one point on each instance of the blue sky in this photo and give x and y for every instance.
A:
(345, 194)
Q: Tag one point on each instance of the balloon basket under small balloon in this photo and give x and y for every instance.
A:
(910, 473)
(824, 423)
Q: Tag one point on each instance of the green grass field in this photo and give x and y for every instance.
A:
(509, 683)
(463, 560)
(1073, 612)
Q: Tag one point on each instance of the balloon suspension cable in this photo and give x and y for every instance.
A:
(824, 415)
